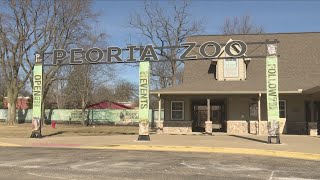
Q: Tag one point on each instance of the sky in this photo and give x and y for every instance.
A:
(273, 16)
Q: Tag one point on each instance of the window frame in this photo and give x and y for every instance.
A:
(285, 109)
(182, 118)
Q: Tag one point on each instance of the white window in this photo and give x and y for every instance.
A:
(282, 108)
(177, 110)
(230, 68)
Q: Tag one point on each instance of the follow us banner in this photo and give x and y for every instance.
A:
(272, 88)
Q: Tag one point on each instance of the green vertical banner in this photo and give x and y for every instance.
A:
(144, 81)
(272, 95)
(37, 93)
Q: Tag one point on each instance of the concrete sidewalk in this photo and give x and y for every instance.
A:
(303, 146)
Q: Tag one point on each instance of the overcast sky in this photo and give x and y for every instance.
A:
(274, 16)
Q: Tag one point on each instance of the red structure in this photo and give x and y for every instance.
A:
(108, 105)
(22, 103)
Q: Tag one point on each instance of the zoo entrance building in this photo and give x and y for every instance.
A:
(231, 93)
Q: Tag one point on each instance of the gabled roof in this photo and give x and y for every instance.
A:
(299, 66)
(312, 90)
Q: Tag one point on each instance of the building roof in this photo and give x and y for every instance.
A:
(299, 66)
(22, 102)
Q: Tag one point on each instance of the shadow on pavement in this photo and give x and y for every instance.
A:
(248, 138)
(53, 134)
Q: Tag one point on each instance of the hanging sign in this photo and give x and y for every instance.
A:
(37, 93)
(115, 54)
(272, 94)
(144, 81)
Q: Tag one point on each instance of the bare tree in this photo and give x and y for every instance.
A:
(78, 86)
(27, 26)
(2, 89)
(82, 82)
(2, 85)
(103, 93)
(240, 25)
(166, 27)
(73, 27)
(19, 33)
(56, 97)
(125, 91)
(122, 91)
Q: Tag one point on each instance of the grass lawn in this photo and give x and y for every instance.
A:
(24, 130)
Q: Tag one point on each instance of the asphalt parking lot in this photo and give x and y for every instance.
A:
(62, 163)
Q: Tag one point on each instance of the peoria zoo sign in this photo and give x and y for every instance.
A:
(113, 54)
(144, 55)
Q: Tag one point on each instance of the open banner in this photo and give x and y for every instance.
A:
(37, 96)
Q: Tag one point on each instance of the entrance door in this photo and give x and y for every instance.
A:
(199, 118)
(217, 116)
(317, 115)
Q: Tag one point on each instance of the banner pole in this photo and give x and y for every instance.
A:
(144, 83)
(272, 81)
(37, 96)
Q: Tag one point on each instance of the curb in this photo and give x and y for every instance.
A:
(225, 150)
(200, 149)
(9, 145)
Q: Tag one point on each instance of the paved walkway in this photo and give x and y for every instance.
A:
(293, 146)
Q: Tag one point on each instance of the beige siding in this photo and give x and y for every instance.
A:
(239, 113)
(238, 108)
(220, 69)
(167, 106)
(295, 108)
(316, 96)
(296, 115)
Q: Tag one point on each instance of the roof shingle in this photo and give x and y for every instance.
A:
(299, 65)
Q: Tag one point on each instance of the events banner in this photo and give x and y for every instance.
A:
(272, 94)
(144, 78)
(37, 96)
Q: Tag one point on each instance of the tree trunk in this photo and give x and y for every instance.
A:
(83, 113)
(12, 101)
(173, 69)
(12, 112)
(43, 99)
(173, 78)
(43, 114)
